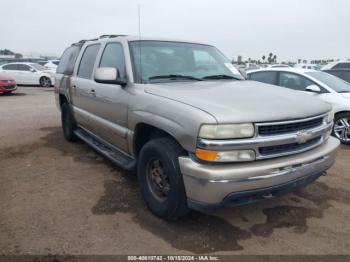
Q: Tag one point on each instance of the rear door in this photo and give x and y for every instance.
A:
(82, 86)
(110, 101)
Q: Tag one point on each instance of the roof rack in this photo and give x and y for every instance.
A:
(110, 36)
(94, 39)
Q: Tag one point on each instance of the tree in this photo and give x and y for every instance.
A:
(263, 58)
(269, 59)
(275, 58)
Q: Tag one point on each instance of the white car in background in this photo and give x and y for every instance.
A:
(52, 64)
(308, 66)
(337, 65)
(29, 74)
(323, 85)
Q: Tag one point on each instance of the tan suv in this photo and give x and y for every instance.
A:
(181, 116)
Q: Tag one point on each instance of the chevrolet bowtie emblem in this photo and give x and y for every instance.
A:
(303, 136)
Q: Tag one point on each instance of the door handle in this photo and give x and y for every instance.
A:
(92, 92)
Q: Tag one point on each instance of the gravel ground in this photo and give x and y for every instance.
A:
(63, 198)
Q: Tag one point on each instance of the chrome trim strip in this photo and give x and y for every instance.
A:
(290, 121)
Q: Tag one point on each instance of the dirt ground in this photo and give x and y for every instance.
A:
(63, 198)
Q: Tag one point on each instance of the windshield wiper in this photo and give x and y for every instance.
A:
(221, 77)
(343, 91)
(175, 77)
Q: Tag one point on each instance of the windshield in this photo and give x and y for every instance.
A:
(333, 82)
(159, 61)
(39, 67)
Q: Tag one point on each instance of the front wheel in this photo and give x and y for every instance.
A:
(45, 81)
(160, 179)
(341, 128)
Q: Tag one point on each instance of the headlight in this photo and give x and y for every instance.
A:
(329, 117)
(226, 131)
(225, 156)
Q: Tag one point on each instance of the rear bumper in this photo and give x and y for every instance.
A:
(242, 183)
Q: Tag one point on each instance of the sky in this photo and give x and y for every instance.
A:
(291, 29)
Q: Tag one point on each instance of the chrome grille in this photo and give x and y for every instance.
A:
(278, 129)
(283, 149)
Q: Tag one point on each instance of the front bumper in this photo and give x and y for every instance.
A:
(6, 89)
(227, 184)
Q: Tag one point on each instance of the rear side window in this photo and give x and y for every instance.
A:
(265, 77)
(10, 67)
(113, 56)
(342, 65)
(87, 61)
(67, 62)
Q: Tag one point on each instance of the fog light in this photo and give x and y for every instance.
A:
(226, 156)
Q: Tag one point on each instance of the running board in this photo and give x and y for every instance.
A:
(114, 155)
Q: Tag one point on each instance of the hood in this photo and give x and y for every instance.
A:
(345, 95)
(241, 101)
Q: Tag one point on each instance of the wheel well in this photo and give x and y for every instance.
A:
(62, 100)
(341, 112)
(144, 133)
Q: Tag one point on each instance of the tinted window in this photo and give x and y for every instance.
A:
(113, 56)
(10, 67)
(55, 62)
(342, 65)
(87, 61)
(294, 81)
(22, 67)
(265, 77)
(67, 62)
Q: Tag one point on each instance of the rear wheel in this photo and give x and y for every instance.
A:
(341, 128)
(68, 123)
(45, 81)
(160, 178)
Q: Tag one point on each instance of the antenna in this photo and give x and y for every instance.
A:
(139, 16)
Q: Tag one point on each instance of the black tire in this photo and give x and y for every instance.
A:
(341, 128)
(45, 81)
(167, 151)
(68, 123)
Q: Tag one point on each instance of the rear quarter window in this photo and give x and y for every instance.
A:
(68, 59)
(264, 77)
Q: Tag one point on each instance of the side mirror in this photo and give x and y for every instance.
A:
(32, 70)
(109, 75)
(313, 88)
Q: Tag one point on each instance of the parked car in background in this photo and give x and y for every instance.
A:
(43, 62)
(7, 84)
(308, 66)
(341, 73)
(320, 84)
(52, 64)
(29, 74)
(337, 65)
(182, 117)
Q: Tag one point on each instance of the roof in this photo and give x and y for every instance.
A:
(136, 38)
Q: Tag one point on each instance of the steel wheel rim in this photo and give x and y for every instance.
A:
(342, 129)
(158, 182)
